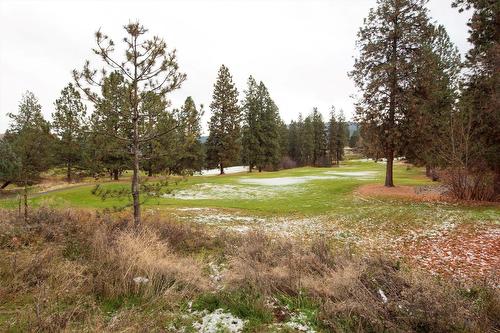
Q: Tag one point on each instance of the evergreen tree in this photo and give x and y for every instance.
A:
(390, 44)
(342, 136)
(69, 126)
(109, 124)
(268, 153)
(294, 141)
(354, 139)
(9, 164)
(224, 141)
(283, 138)
(319, 138)
(250, 129)
(191, 158)
(147, 67)
(306, 134)
(435, 93)
(332, 135)
(480, 100)
(31, 141)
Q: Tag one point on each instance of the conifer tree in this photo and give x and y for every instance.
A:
(69, 126)
(9, 164)
(319, 138)
(342, 135)
(191, 158)
(390, 44)
(306, 134)
(31, 141)
(250, 128)
(268, 153)
(332, 135)
(435, 93)
(109, 124)
(146, 67)
(480, 100)
(224, 140)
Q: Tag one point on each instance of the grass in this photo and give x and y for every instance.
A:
(325, 196)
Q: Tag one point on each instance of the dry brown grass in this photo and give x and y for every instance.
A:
(347, 289)
(65, 270)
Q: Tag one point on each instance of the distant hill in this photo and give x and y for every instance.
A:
(203, 139)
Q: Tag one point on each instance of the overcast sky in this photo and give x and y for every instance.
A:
(301, 50)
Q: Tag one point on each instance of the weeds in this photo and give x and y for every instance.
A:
(75, 270)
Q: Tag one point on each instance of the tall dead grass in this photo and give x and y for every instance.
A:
(65, 270)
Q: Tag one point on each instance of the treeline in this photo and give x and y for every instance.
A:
(254, 134)
(418, 100)
(93, 145)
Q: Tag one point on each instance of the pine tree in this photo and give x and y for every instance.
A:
(224, 140)
(435, 93)
(354, 139)
(306, 134)
(31, 141)
(319, 138)
(109, 124)
(147, 67)
(10, 165)
(342, 135)
(69, 126)
(268, 134)
(390, 44)
(294, 141)
(191, 157)
(250, 129)
(480, 100)
(332, 135)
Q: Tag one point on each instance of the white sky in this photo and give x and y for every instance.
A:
(301, 50)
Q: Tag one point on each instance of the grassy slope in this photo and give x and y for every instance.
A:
(319, 197)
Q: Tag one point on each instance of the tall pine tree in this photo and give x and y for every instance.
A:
(69, 126)
(224, 140)
(390, 44)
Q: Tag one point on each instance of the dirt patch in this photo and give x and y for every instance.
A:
(465, 253)
(407, 192)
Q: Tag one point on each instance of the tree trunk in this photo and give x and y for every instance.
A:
(221, 168)
(115, 174)
(388, 170)
(25, 201)
(150, 172)
(389, 181)
(260, 169)
(4, 185)
(427, 170)
(68, 172)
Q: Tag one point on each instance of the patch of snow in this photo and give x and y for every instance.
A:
(208, 191)
(140, 280)
(299, 322)
(230, 170)
(382, 295)
(282, 181)
(218, 321)
(353, 174)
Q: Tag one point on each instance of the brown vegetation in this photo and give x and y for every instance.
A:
(69, 270)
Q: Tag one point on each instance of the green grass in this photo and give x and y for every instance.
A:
(318, 197)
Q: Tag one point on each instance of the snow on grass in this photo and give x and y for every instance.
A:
(208, 191)
(219, 321)
(354, 174)
(282, 181)
(230, 170)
